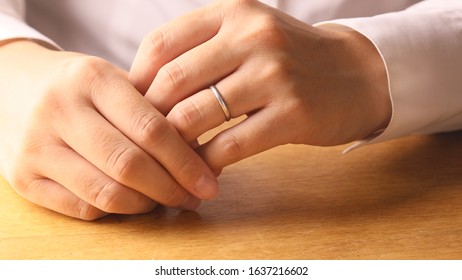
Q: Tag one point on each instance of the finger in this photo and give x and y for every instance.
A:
(183, 76)
(100, 143)
(89, 183)
(51, 195)
(169, 41)
(136, 118)
(201, 112)
(254, 135)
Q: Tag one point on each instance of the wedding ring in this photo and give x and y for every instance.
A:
(222, 102)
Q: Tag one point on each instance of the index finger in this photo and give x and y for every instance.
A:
(167, 42)
(123, 106)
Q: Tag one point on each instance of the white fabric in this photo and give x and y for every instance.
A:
(420, 42)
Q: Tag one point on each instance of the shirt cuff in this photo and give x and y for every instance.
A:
(421, 61)
(378, 135)
(12, 28)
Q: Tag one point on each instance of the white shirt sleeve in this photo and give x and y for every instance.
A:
(13, 26)
(422, 51)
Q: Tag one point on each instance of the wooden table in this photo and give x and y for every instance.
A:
(396, 200)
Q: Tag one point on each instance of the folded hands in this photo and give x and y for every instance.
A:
(87, 139)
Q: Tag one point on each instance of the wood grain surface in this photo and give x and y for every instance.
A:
(396, 200)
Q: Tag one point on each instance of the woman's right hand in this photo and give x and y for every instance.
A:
(79, 139)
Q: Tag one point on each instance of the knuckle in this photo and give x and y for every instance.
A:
(263, 29)
(279, 71)
(175, 197)
(267, 32)
(185, 116)
(237, 4)
(124, 162)
(106, 197)
(232, 147)
(84, 75)
(172, 76)
(84, 68)
(53, 105)
(71, 83)
(26, 180)
(155, 43)
(23, 184)
(152, 129)
(56, 102)
(185, 168)
(80, 208)
(86, 211)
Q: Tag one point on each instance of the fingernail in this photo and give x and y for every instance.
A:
(207, 187)
(191, 203)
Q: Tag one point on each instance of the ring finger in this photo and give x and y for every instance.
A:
(201, 112)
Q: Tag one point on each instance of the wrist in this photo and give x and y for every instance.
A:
(375, 76)
(361, 59)
(19, 57)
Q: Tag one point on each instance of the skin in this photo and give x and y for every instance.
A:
(79, 139)
(295, 83)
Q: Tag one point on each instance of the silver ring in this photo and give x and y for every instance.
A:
(222, 102)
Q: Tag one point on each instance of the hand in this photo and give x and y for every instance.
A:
(296, 83)
(78, 138)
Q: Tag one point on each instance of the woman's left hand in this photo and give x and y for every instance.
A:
(295, 82)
